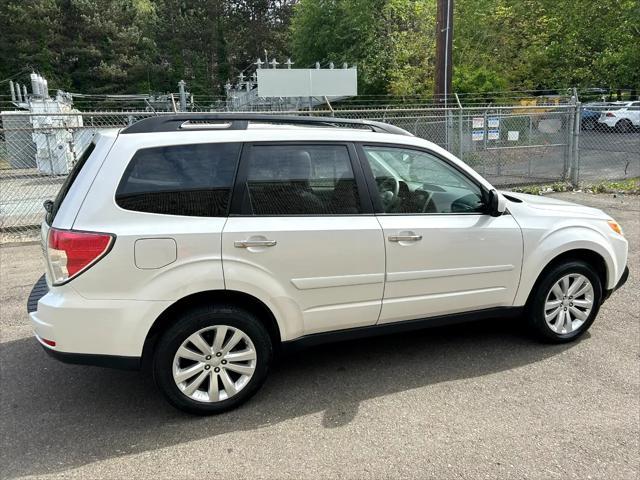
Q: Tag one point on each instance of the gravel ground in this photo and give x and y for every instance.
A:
(471, 401)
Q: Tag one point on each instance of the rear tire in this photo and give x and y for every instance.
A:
(565, 302)
(212, 359)
(624, 126)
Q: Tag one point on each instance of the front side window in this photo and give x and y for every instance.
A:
(190, 180)
(412, 181)
(300, 180)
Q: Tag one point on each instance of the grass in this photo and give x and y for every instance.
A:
(630, 186)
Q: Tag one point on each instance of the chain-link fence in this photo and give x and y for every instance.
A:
(509, 145)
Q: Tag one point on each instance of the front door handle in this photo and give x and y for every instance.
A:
(254, 243)
(405, 238)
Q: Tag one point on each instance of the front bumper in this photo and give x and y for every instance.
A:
(74, 329)
(621, 282)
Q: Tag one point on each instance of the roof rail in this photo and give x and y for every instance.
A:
(240, 121)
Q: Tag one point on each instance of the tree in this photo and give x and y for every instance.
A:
(391, 41)
(31, 38)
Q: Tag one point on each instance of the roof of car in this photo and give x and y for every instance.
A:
(241, 121)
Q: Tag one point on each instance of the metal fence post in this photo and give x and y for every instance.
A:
(568, 158)
(575, 159)
(460, 148)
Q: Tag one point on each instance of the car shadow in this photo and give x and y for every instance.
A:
(55, 417)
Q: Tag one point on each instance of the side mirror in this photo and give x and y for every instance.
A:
(497, 203)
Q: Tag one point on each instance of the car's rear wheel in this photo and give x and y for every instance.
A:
(565, 302)
(589, 124)
(212, 359)
(624, 126)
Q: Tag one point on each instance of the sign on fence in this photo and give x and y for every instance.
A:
(477, 135)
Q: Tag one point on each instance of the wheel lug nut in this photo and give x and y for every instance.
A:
(207, 367)
(217, 369)
(208, 357)
(224, 362)
(218, 354)
(565, 309)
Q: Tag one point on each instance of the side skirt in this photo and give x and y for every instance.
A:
(398, 327)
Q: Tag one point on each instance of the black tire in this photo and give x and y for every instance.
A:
(589, 124)
(624, 126)
(535, 312)
(194, 320)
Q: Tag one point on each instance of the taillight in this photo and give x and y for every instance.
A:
(610, 114)
(71, 253)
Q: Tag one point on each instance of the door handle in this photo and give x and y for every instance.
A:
(405, 238)
(254, 243)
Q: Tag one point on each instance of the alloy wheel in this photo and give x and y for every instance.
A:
(569, 303)
(214, 363)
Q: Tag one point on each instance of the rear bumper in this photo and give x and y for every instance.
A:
(608, 121)
(108, 361)
(77, 330)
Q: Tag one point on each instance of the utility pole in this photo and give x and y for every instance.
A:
(444, 42)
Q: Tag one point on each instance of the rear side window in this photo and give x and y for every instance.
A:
(300, 180)
(190, 180)
(66, 186)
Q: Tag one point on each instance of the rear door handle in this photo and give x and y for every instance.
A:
(254, 243)
(405, 238)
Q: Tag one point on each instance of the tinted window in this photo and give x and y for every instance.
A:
(411, 181)
(192, 180)
(301, 180)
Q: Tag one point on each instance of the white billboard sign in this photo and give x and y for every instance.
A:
(307, 82)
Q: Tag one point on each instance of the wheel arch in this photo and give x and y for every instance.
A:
(241, 299)
(591, 257)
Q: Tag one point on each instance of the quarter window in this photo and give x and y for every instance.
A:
(412, 181)
(190, 180)
(300, 180)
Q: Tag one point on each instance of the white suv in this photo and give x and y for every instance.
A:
(621, 116)
(200, 244)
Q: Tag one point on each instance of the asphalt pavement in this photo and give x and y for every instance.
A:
(472, 401)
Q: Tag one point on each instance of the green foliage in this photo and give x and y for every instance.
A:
(125, 46)
(546, 44)
(480, 79)
(391, 41)
(122, 46)
(629, 186)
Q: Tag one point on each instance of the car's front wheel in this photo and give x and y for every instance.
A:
(212, 359)
(565, 302)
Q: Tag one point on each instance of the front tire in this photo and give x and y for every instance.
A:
(565, 302)
(589, 124)
(212, 359)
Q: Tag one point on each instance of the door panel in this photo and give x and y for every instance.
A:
(304, 238)
(462, 263)
(444, 253)
(331, 269)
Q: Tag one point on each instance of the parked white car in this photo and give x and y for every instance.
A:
(198, 245)
(621, 116)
